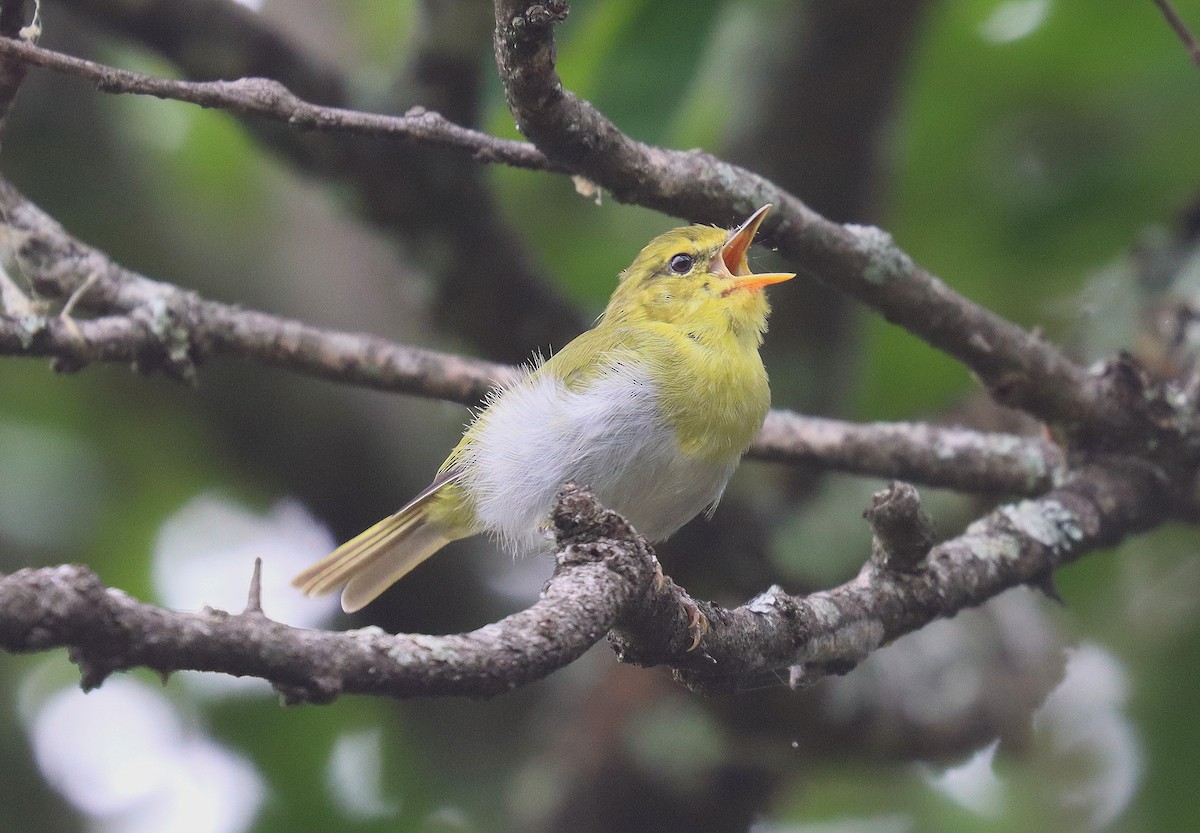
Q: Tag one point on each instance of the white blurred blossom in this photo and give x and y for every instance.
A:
(125, 758)
(1014, 19)
(1082, 738)
(973, 783)
(1084, 719)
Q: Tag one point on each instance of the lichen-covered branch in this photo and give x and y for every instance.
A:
(157, 326)
(604, 582)
(983, 461)
(833, 630)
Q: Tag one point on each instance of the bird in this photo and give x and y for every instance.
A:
(652, 409)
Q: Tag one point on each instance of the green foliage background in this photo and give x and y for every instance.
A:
(1017, 171)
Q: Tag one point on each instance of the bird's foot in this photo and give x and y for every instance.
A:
(697, 621)
(69, 307)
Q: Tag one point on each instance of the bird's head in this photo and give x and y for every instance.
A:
(698, 279)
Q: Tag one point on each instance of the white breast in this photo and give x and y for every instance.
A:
(538, 435)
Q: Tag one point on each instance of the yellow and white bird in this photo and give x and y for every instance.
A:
(652, 408)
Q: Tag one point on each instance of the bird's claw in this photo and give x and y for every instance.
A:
(697, 622)
(68, 309)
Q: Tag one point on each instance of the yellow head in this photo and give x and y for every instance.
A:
(697, 279)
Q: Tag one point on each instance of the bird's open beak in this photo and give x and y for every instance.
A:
(733, 255)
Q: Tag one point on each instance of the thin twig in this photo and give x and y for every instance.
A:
(254, 595)
(269, 99)
(1180, 29)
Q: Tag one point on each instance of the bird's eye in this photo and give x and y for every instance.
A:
(681, 264)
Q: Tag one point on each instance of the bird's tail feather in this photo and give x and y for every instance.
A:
(376, 558)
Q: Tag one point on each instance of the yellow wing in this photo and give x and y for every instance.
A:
(378, 557)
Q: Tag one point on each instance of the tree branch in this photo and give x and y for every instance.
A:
(1019, 368)
(163, 327)
(157, 326)
(184, 331)
(595, 580)
(983, 461)
(833, 630)
(267, 98)
(604, 582)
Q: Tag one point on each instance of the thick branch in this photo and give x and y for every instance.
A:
(107, 631)
(604, 580)
(1019, 368)
(834, 630)
(159, 326)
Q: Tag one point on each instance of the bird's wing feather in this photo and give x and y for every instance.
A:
(391, 547)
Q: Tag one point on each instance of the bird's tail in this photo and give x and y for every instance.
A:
(377, 558)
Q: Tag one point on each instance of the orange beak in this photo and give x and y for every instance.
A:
(733, 256)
